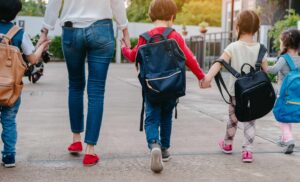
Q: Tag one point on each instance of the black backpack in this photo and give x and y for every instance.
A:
(162, 69)
(254, 93)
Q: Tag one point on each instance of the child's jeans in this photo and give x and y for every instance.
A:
(159, 115)
(9, 132)
(249, 129)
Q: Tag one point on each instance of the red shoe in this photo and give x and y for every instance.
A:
(227, 149)
(90, 160)
(75, 147)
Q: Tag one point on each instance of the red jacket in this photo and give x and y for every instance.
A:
(191, 61)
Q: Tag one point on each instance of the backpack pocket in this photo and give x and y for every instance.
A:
(6, 92)
(165, 82)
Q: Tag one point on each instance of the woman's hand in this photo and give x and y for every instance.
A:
(43, 37)
(126, 38)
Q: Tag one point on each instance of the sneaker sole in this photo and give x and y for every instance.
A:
(166, 159)
(247, 160)
(156, 160)
(289, 149)
(9, 165)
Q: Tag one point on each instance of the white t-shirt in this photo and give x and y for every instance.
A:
(27, 46)
(83, 13)
(240, 53)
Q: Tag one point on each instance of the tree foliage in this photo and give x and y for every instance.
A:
(196, 11)
(190, 12)
(289, 21)
(33, 8)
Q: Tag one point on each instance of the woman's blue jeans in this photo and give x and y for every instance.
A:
(96, 44)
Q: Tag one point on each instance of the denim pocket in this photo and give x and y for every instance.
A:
(103, 34)
(68, 36)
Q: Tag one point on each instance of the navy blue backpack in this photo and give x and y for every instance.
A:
(162, 69)
(287, 107)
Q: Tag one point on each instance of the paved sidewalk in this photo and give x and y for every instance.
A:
(44, 135)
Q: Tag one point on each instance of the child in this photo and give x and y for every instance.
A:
(8, 11)
(289, 44)
(244, 50)
(162, 14)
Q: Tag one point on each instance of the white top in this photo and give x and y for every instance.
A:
(83, 13)
(241, 52)
(27, 46)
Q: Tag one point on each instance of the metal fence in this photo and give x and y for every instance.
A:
(208, 47)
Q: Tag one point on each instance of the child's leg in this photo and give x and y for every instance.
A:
(231, 125)
(166, 123)
(153, 113)
(249, 135)
(9, 133)
(286, 129)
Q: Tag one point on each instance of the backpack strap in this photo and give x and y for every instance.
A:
(261, 54)
(142, 112)
(167, 32)
(146, 36)
(220, 81)
(290, 62)
(7, 38)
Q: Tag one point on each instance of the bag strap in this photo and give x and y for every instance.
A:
(10, 34)
(290, 62)
(261, 54)
(167, 32)
(146, 36)
(142, 113)
(220, 81)
(228, 67)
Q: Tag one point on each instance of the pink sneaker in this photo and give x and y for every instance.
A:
(247, 157)
(227, 149)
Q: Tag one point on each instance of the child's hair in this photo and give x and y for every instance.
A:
(9, 9)
(290, 40)
(247, 22)
(162, 10)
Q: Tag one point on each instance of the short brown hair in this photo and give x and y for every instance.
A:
(162, 10)
(247, 22)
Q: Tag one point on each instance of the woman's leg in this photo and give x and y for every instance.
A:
(74, 52)
(100, 49)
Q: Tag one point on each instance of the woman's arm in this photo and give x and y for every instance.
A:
(119, 12)
(51, 14)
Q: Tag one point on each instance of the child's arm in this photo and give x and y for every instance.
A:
(216, 67)
(35, 57)
(277, 67)
(191, 61)
(130, 54)
(29, 51)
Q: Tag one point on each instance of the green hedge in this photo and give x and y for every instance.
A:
(56, 47)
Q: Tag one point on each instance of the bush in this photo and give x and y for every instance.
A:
(56, 47)
(272, 77)
(289, 21)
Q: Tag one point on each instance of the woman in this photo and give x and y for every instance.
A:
(87, 33)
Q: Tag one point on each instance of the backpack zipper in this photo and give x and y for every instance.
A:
(159, 78)
(294, 103)
(165, 77)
